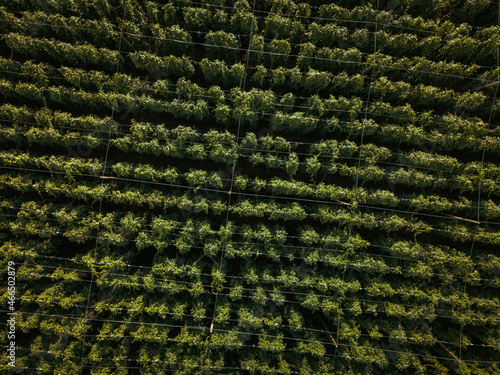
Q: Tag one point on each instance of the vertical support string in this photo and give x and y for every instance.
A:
(234, 167)
(359, 163)
(87, 314)
(479, 182)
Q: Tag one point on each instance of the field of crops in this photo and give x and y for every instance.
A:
(250, 186)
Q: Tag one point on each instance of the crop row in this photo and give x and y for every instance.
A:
(221, 147)
(347, 14)
(275, 186)
(255, 105)
(268, 208)
(417, 70)
(459, 44)
(291, 281)
(232, 215)
(217, 71)
(327, 150)
(164, 232)
(314, 105)
(248, 317)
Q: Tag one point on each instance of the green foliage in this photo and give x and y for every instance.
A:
(278, 27)
(197, 18)
(163, 67)
(306, 54)
(222, 46)
(260, 76)
(244, 23)
(82, 55)
(171, 40)
(346, 207)
(329, 35)
(278, 51)
(253, 105)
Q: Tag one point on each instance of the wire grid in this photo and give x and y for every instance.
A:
(333, 203)
(332, 250)
(101, 196)
(293, 55)
(233, 168)
(269, 152)
(479, 182)
(390, 25)
(359, 164)
(233, 172)
(272, 291)
(205, 329)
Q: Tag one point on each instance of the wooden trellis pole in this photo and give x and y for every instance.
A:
(453, 355)
(329, 334)
(488, 85)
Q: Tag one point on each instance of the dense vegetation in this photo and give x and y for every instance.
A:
(238, 187)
